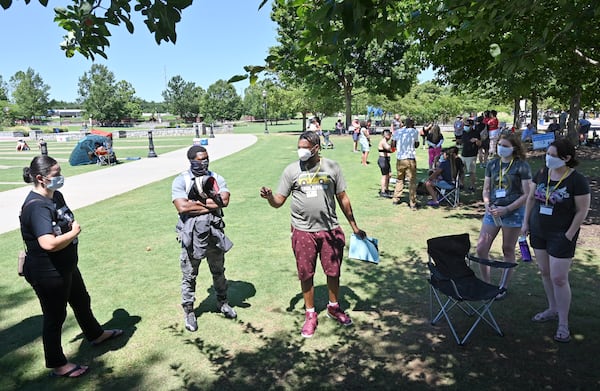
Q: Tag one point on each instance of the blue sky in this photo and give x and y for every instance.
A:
(215, 39)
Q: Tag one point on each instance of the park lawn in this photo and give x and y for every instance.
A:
(129, 259)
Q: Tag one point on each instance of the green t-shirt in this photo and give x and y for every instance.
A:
(313, 194)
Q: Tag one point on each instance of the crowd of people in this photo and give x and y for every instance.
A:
(550, 206)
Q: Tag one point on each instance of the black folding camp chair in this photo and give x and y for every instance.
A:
(454, 285)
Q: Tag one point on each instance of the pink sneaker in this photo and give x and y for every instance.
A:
(310, 324)
(335, 312)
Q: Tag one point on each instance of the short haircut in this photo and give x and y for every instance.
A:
(194, 150)
(311, 137)
(409, 122)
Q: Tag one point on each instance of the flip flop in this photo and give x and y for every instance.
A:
(113, 334)
(544, 316)
(562, 334)
(69, 373)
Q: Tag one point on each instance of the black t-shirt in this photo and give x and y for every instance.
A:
(41, 216)
(561, 199)
(470, 149)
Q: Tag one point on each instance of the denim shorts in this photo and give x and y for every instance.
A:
(513, 219)
(442, 184)
(556, 244)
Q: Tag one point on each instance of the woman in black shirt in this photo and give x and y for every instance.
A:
(50, 233)
(556, 207)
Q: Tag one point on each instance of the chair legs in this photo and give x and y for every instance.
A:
(482, 311)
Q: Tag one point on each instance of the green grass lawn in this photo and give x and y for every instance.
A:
(129, 259)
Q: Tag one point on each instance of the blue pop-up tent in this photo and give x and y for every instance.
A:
(83, 153)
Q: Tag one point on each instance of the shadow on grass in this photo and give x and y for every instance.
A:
(100, 376)
(238, 292)
(393, 346)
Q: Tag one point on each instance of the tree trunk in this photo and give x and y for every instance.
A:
(534, 110)
(516, 112)
(574, 108)
(303, 120)
(348, 105)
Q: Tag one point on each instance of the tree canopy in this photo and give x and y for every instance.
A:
(30, 94)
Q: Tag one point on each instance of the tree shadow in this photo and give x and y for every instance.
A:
(392, 344)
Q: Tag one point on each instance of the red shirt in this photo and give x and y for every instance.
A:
(492, 123)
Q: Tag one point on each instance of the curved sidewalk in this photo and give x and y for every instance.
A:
(89, 188)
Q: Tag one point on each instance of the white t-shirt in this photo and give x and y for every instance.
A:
(405, 143)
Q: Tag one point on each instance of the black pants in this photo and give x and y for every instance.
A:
(54, 293)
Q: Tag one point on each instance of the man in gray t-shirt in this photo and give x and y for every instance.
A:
(315, 183)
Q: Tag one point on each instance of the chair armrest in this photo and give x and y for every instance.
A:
(488, 262)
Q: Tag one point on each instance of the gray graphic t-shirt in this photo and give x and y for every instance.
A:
(313, 194)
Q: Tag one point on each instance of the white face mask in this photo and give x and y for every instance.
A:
(504, 151)
(304, 154)
(554, 162)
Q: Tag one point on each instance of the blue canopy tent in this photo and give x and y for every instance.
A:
(83, 153)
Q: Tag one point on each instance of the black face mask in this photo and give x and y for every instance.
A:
(199, 167)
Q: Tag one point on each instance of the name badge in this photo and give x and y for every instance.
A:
(546, 210)
(500, 193)
(311, 194)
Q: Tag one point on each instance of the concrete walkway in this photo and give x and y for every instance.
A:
(89, 188)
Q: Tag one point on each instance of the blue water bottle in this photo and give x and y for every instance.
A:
(524, 247)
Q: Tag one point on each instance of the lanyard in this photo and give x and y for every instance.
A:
(502, 172)
(555, 186)
(310, 179)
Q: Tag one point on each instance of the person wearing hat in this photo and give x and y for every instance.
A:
(199, 195)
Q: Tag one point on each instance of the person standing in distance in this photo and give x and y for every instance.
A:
(406, 140)
(199, 195)
(315, 183)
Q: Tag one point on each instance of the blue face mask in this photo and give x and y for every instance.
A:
(56, 182)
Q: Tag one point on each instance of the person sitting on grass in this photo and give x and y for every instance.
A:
(441, 177)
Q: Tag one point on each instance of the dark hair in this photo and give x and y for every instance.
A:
(409, 122)
(515, 141)
(310, 136)
(194, 150)
(363, 124)
(386, 131)
(494, 113)
(565, 148)
(40, 165)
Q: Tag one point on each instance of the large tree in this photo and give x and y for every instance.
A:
(106, 100)
(315, 48)
(30, 94)
(183, 98)
(221, 102)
